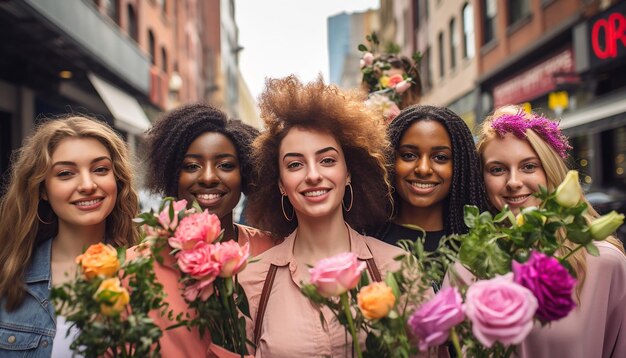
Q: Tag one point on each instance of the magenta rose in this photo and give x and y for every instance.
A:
(198, 262)
(431, 322)
(336, 275)
(199, 227)
(164, 215)
(500, 310)
(231, 257)
(551, 284)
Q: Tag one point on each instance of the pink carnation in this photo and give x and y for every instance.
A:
(431, 323)
(231, 257)
(164, 216)
(336, 275)
(500, 310)
(200, 227)
(198, 262)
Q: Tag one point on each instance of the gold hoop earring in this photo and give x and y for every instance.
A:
(282, 206)
(43, 222)
(351, 198)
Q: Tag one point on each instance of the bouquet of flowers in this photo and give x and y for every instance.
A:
(385, 91)
(208, 268)
(516, 272)
(112, 319)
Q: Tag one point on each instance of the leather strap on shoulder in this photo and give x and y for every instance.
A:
(373, 270)
(265, 296)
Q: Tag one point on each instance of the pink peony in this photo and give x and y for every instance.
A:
(200, 227)
(231, 257)
(198, 262)
(402, 86)
(336, 275)
(551, 284)
(431, 323)
(500, 310)
(395, 80)
(368, 59)
(203, 289)
(164, 216)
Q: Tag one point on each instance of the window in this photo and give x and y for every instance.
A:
(133, 29)
(442, 70)
(518, 9)
(426, 69)
(152, 47)
(468, 31)
(454, 43)
(489, 25)
(416, 13)
(164, 59)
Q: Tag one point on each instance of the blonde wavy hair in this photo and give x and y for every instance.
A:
(556, 169)
(26, 219)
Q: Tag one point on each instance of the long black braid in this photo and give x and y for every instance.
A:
(171, 136)
(467, 179)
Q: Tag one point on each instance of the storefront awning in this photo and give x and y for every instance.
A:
(125, 109)
(606, 107)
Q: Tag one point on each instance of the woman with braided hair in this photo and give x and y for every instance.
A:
(435, 172)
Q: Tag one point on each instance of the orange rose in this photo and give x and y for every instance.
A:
(112, 297)
(99, 260)
(376, 300)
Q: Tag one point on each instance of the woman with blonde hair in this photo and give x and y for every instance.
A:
(521, 151)
(321, 181)
(70, 187)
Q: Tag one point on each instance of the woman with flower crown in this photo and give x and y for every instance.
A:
(70, 187)
(196, 153)
(521, 151)
(321, 180)
(435, 172)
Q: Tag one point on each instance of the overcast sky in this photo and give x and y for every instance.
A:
(281, 37)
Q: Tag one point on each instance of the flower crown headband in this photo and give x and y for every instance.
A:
(518, 124)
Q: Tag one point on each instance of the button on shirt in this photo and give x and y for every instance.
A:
(291, 324)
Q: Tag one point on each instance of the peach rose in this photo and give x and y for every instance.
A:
(376, 300)
(395, 80)
(112, 296)
(99, 260)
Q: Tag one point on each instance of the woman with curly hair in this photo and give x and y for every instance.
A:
(70, 187)
(435, 171)
(196, 153)
(321, 181)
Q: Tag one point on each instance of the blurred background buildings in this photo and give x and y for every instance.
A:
(563, 58)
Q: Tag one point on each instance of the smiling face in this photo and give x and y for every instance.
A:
(512, 172)
(423, 165)
(210, 174)
(80, 186)
(313, 173)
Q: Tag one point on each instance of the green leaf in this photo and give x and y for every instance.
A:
(363, 48)
(592, 249)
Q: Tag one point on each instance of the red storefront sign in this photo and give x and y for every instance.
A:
(607, 35)
(535, 81)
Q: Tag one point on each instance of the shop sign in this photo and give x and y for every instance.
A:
(607, 35)
(535, 81)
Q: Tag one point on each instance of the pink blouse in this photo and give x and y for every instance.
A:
(291, 324)
(180, 342)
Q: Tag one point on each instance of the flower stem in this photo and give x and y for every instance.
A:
(346, 309)
(570, 253)
(455, 342)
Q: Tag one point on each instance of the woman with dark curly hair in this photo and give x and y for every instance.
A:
(435, 171)
(196, 153)
(321, 180)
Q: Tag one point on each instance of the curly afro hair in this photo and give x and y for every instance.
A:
(287, 103)
(467, 179)
(171, 136)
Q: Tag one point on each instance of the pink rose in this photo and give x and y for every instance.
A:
(164, 216)
(203, 289)
(198, 262)
(368, 59)
(402, 86)
(231, 257)
(336, 275)
(431, 322)
(500, 310)
(551, 284)
(199, 227)
(395, 80)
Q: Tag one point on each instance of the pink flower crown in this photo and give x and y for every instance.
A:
(548, 130)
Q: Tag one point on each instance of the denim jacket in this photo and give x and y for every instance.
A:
(29, 330)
